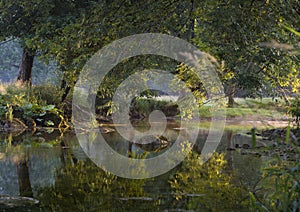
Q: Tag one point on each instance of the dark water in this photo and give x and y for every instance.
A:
(50, 172)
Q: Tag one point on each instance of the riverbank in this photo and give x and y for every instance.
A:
(23, 108)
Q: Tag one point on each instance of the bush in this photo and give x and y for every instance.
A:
(18, 95)
(37, 103)
(47, 94)
(294, 110)
(279, 189)
(142, 107)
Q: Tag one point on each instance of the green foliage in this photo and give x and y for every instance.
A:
(31, 104)
(253, 137)
(235, 32)
(255, 108)
(292, 30)
(246, 37)
(142, 107)
(47, 94)
(288, 133)
(92, 25)
(280, 186)
(34, 110)
(17, 95)
(3, 110)
(35, 20)
(255, 205)
(294, 110)
(187, 75)
(48, 115)
(9, 114)
(43, 95)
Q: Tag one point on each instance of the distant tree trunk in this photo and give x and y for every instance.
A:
(191, 23)
(230, 90)
(25, 68)
(284, 96)
(23, 178)
(230, 100)
(66, 89)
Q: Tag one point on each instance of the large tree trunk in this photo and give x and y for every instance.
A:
(25, 68)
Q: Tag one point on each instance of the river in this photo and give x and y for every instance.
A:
(49, 171)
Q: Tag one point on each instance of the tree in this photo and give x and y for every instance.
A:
(11, 55)
(100, 23)
(235, 31)
(18, 20)
(25, 19)
(26, 64)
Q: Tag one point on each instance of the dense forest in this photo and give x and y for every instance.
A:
(256, 44)
(255, 41)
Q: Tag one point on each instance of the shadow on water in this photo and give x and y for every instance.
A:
(50, 171)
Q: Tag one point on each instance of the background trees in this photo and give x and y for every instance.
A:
(235, 32)
(249, 38)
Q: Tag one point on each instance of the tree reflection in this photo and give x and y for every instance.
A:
(80, 185)
(207, 186)
(84, 186)
(23, 178)
(21, 159)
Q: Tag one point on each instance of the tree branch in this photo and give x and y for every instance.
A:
(7, 41)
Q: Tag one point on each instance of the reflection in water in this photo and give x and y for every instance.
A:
(23, 178)
(56, 172)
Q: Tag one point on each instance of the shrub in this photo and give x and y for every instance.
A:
(294, 110)
(36, 103)
(47, 94)
(142, 107)
(18, 95)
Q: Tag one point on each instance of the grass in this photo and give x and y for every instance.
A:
(249, 113)
(17, 94)
(246, 108)
(236, 127)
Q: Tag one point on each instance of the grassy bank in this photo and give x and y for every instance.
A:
(248, 113)
(35, 104)
(24, 107)
(255, 108)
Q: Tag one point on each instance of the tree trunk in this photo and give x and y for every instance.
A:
(230, 93)
(25, 68)
(284, 96)
(230, 100)
(191, 23)
(65, 87)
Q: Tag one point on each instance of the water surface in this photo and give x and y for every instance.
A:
(50, 171)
